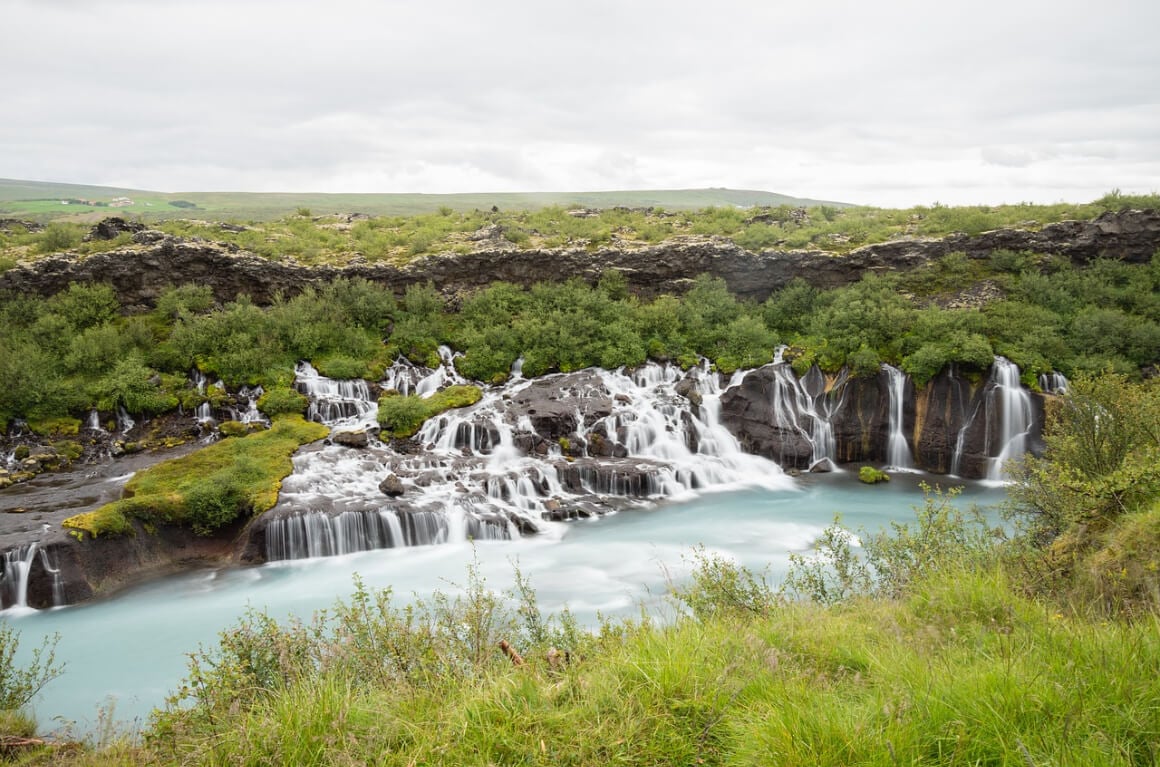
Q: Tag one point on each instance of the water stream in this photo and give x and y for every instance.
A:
(132, 647)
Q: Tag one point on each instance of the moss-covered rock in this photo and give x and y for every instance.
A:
(872, 476)
(208, 489)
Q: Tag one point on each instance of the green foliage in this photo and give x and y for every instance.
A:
(1094, 495)
(402, 416)
(280, 400)
(871, 476)
(20, 684)
(59, 236)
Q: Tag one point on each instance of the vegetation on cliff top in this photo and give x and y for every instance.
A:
(208, 489)
(398, 239)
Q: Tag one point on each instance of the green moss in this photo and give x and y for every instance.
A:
(210, 488)
(872, 476)
(234, 429)
(401, 417)
(68, 449)
(63, 426)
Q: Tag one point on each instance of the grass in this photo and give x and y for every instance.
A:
(209, 488)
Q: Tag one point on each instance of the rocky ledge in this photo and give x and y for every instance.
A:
(139, 273)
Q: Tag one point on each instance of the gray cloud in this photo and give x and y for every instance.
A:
(885, 102)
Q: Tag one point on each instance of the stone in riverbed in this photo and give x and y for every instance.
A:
(392, 486)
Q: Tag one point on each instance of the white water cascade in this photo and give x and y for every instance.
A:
(93, 422)
(1053, 383)
(1011, 404)
(486, 472)
(336, 403)
(806, 407)
(14, 578)
(898, 454)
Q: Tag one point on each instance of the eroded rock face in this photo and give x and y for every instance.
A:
(139, 275)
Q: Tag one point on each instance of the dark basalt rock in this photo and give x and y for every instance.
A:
(112, 227)
(552, 404)
(392, 486)
(139, 275)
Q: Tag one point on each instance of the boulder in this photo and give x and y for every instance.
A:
(111, 228)
(351, 438)
(392, 486)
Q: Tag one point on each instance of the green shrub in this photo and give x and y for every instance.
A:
(871, 476)
(402, 416)
(59, 236)
(279, 400)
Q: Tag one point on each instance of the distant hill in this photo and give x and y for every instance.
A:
(42, 200)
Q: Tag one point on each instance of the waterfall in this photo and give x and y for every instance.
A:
(1011, 405)
(898, 455)
(48, 562)
(93, 422)
(335, 402)
(1053, 383)
(441, 376)
(125, 422)
(486, 473)
(802, 406)
(14, 578)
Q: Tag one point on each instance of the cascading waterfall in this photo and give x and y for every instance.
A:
(93, 422)
(442, 376)
(803, 406)
(1053, 383)
(898, 454)
(125, 422)
(476, 477)
(14, 579)
(1011, 404)
(336, 403)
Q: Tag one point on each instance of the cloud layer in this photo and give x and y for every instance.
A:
(888, 103)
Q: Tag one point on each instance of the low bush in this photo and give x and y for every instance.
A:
(401, 416)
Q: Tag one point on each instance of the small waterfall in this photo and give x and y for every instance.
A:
(336, 402)
(517, 371)
(93, 422)
(250, 414)
(1011, 404)
(803, 406)
(48, 562)
(125, 423)
(204, 413)
(14, 579)
(198, 379)
(898, 454)
(442, 376)
(1053, 383)
(317, 534)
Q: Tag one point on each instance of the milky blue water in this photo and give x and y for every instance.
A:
(130, 650)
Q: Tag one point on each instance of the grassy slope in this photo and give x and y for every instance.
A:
(42, 200)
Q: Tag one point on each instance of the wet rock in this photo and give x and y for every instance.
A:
(356, 439)
(393, 487)
(626, 478)
(687, 388)
(823, 466)
(747, 411)
(553, 404)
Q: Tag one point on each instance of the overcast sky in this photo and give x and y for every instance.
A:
(881, 102)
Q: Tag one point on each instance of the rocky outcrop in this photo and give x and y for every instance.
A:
(139, 274)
